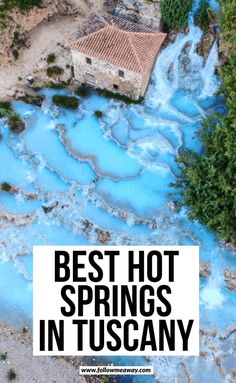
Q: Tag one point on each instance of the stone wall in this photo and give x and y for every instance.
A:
(144, 85)
(105, 74)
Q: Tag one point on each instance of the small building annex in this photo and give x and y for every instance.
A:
(114, 54)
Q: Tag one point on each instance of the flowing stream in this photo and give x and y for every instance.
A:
(77, 174)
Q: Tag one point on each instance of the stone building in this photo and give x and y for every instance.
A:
(115, 54)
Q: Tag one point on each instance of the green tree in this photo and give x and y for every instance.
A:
(228, 30)
(208, 181)
(175, 12)
(205, 15)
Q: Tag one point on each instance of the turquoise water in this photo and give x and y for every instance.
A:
(116, 173)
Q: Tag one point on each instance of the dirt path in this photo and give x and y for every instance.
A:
(48, 37)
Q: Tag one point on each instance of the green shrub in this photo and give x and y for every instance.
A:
(175, 12)
(54, 70)
(68, 102)
(27, 4)
(98, 113)
(57, 85)
(83, 90)
(19, 39)
(31, 99)
(51, 58)
(3, 356)
(3, 21)
(16, 124)
(6, 187)
(5, 108)
(11, 374)
(227, 24)
(108, 94)
(205, 15)
(24, 5)
(15, 54)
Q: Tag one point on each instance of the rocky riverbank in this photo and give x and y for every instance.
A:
(140, 11)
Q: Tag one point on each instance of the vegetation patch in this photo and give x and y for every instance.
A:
(57, 85)
(3, 21)
(3, 356)
(228, 30)
(83, 90)
(98, 113)
(175, 12)
(106, 93)
(6, 187)
(11, 374)
(51, 58)
(208, 181)
(54, 70)
(32, 99)
(5, 109)
(23, 5)
(205, 15)
(15, 54)
(16, 124)
(19, 39)
(68, 102)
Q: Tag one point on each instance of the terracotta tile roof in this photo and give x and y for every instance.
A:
(122, 43)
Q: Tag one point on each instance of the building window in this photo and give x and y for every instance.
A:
(90, 79)
(115, 87)
(121, 73)
(88, 61)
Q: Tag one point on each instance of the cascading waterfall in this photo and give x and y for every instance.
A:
(210, 85)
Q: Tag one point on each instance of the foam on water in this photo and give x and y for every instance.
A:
(212, 296)
(210, 84)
